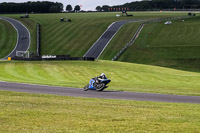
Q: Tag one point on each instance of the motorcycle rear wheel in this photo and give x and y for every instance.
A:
(100, 87)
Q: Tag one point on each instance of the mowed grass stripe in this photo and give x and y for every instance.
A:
(5, 75)
(32, 70)
(11, 69)
(73, 34)
(3, 30)
(58, 30)
(195, 32)
(53, 35)
(8, 38)
(51, 28)
(56, 42)
(77, 48)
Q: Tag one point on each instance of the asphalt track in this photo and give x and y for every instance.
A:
(22, 31)
(78, 92)
(99, 46)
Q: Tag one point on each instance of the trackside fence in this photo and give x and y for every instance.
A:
(38, 40)
(129, 43)
(116, 57)
(53, 58)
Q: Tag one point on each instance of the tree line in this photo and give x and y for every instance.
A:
(38, 7)
(153, 5)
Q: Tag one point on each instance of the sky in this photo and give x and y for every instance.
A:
(86, 4)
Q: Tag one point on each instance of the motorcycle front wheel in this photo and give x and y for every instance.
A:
(86, 87)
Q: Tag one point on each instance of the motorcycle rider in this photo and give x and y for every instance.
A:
(102, 76)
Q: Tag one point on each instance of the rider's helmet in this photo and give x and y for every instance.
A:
(102, 74)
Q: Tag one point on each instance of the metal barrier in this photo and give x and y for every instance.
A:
(53, 58)
(38, 40)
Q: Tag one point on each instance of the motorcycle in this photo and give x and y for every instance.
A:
(96, 84)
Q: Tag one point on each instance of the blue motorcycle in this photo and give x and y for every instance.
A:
(96, 84)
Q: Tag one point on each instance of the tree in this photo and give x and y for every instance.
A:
(98, 8)
(68, 8)
(60, 6)
(77, 8)
(53, 9)
(105, 7)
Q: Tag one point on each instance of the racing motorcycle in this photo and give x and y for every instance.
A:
(96, 84)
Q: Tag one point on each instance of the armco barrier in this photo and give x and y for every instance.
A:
(128, 44)
(53, 58)
(140, 29)
(38, 40)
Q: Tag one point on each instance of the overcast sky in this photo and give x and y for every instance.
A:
(86, 4)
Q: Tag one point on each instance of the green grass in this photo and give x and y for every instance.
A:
(21, 112)
(77, 37)
(124, 76)
(8, 38)
(176, 45)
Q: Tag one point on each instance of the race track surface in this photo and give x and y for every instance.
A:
(98, 47)
(78, 92)
(23, 36)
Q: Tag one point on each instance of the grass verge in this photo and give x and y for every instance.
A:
(21, 112)
(124, 76)
(8, 38)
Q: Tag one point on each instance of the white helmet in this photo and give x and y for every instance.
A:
(102, 74)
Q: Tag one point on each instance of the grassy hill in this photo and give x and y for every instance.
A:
(8, 38)
(124, 76)
(176, 45)
(76, 37)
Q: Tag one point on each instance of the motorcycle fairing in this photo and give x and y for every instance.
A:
(91, 84)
